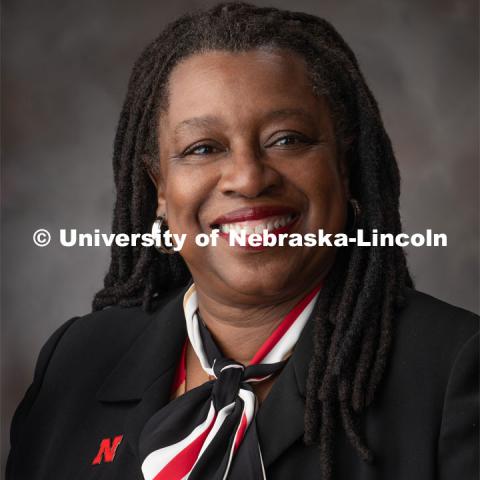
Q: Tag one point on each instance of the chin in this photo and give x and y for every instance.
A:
(252, 286)
(262, 278)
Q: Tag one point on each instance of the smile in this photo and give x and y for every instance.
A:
(275, 219)
(271, 224)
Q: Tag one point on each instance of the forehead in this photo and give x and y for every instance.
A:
(262, 61)
(238, 81)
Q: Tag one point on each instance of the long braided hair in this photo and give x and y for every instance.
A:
(353, 323)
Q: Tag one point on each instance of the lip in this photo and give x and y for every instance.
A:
(253, 213)
(258, 248)
(257, 213)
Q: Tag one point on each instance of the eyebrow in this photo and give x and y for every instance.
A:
(197, 122)
(211, 120)
(288, 112)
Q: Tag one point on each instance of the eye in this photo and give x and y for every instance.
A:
(201, 149)
(290, 140)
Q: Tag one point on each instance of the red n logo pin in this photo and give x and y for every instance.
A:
(106, 452)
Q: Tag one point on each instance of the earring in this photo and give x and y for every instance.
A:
(159, 228)
(355, 213)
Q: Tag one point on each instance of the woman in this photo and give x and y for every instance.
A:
(231, 362)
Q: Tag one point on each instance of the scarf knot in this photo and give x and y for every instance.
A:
(229, 377)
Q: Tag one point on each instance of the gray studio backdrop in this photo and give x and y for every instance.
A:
(65, 66)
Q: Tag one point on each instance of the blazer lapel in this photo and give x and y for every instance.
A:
(280, 418)
(145, 374)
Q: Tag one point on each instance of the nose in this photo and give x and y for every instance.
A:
(246, 174)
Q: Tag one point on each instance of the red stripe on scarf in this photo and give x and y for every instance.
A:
(287, 322)
(181, 372)
(182, 463)
(240, 433)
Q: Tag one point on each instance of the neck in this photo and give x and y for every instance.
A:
(240, 330)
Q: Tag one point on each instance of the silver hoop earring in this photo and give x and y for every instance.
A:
(159, 228)
(355, 215)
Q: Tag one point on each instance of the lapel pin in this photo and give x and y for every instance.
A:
(106, 452)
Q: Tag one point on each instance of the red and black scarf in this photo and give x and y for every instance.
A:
(210, 432)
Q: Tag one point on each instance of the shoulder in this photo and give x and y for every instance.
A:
(105, 331)
(100, 338)
(431, 341)
(434, 326)
(434, 343)
(437, 363)
(83, 347)
(420, 304)
(89, 346)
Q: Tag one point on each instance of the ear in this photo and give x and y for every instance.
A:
(154, 173)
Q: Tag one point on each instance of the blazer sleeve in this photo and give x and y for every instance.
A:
(458, 442)
(24, 407)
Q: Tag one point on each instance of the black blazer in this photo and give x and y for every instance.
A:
(104, 374)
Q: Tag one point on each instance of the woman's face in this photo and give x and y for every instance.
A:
(245, 143)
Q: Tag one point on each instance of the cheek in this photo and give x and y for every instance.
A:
(185, 192)
(324, 190)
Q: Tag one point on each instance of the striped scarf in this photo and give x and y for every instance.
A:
(209, 432)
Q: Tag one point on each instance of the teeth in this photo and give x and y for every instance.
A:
(257, 226)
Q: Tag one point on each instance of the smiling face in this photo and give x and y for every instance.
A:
(244, 143)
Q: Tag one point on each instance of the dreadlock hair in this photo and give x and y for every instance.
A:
(353, 321)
